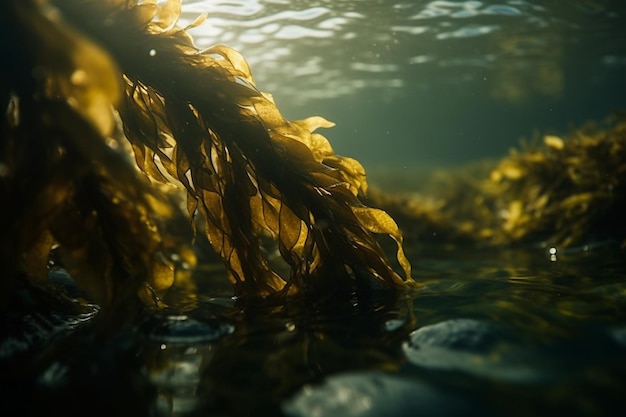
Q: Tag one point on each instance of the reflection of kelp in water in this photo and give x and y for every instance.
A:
(220, 358)
(306, 346)
(192, 118)
(562, 193)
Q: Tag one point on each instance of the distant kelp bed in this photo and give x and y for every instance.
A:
(551, 191)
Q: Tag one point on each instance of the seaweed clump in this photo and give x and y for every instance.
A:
(75, 71)
(553, 191)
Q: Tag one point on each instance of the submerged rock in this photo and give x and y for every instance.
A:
(370, 394)
(472, 346)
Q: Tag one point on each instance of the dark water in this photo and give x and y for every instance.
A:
(490, 332)
(499, 332)
(429, 82)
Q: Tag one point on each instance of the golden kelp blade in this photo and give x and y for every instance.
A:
(247, 170)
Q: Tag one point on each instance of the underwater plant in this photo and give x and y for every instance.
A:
(554, 191)
(81, 80)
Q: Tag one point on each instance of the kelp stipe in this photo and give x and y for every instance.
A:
(192, 117)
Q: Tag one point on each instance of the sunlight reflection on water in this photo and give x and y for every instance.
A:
(393, 74)
(351, 35)
(355, 38)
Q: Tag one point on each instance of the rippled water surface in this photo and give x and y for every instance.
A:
(489, 333)
(429, 82)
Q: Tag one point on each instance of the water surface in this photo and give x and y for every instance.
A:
(500, 332)
(429, 82)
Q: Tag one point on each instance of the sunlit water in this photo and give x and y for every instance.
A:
(429, 82)
(492, 333)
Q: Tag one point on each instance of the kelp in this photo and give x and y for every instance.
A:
(63, 186)
(555, 191)
(79, 69)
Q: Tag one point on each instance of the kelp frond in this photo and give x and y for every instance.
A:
(561, 192)
(567, 191)
(192, 117)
